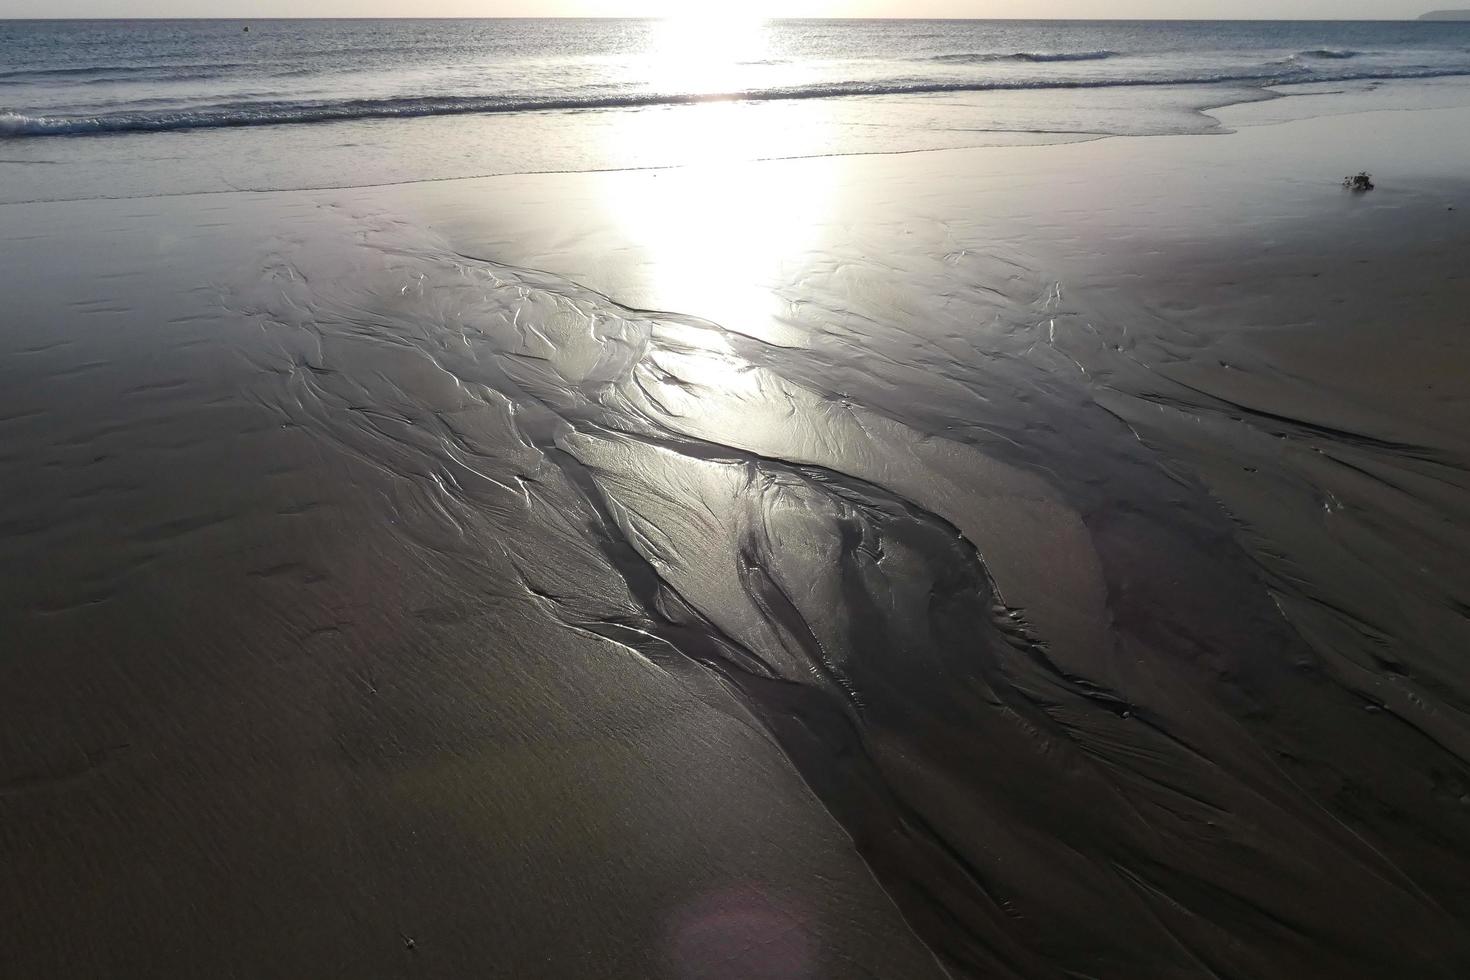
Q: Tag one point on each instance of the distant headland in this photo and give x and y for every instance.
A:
(1446, 15)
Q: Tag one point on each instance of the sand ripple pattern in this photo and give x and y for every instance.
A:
(1071, 736)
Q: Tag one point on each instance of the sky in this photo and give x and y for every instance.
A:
(1164, 9)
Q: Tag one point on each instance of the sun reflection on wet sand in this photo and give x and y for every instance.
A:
(717, 235)
(721, 237)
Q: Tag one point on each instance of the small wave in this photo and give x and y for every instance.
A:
(19, 124)
(43, 73)
(1329, 54)
(119, 72)
(264, 113)
(1030, 57)
(187, 76)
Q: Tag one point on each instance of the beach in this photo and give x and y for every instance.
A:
(983, 561)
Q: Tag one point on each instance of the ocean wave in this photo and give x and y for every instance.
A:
(1030, 57)
(118, 72)
(28, 74)
(1329, 54)
(264, 113)
(183, 76)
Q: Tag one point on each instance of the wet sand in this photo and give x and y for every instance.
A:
(1021, 562)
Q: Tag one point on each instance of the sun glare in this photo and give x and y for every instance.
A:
(706, 49)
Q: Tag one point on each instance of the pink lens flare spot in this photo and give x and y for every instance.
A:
(742, 933)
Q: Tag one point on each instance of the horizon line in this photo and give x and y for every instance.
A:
(1099, 20)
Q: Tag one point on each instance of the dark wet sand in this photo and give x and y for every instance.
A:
(1043, 562)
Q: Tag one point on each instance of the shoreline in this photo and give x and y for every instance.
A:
(1400, 95)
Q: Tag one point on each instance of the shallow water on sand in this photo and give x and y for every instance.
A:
(998, 555)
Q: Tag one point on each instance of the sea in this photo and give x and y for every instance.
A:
(163, 105)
